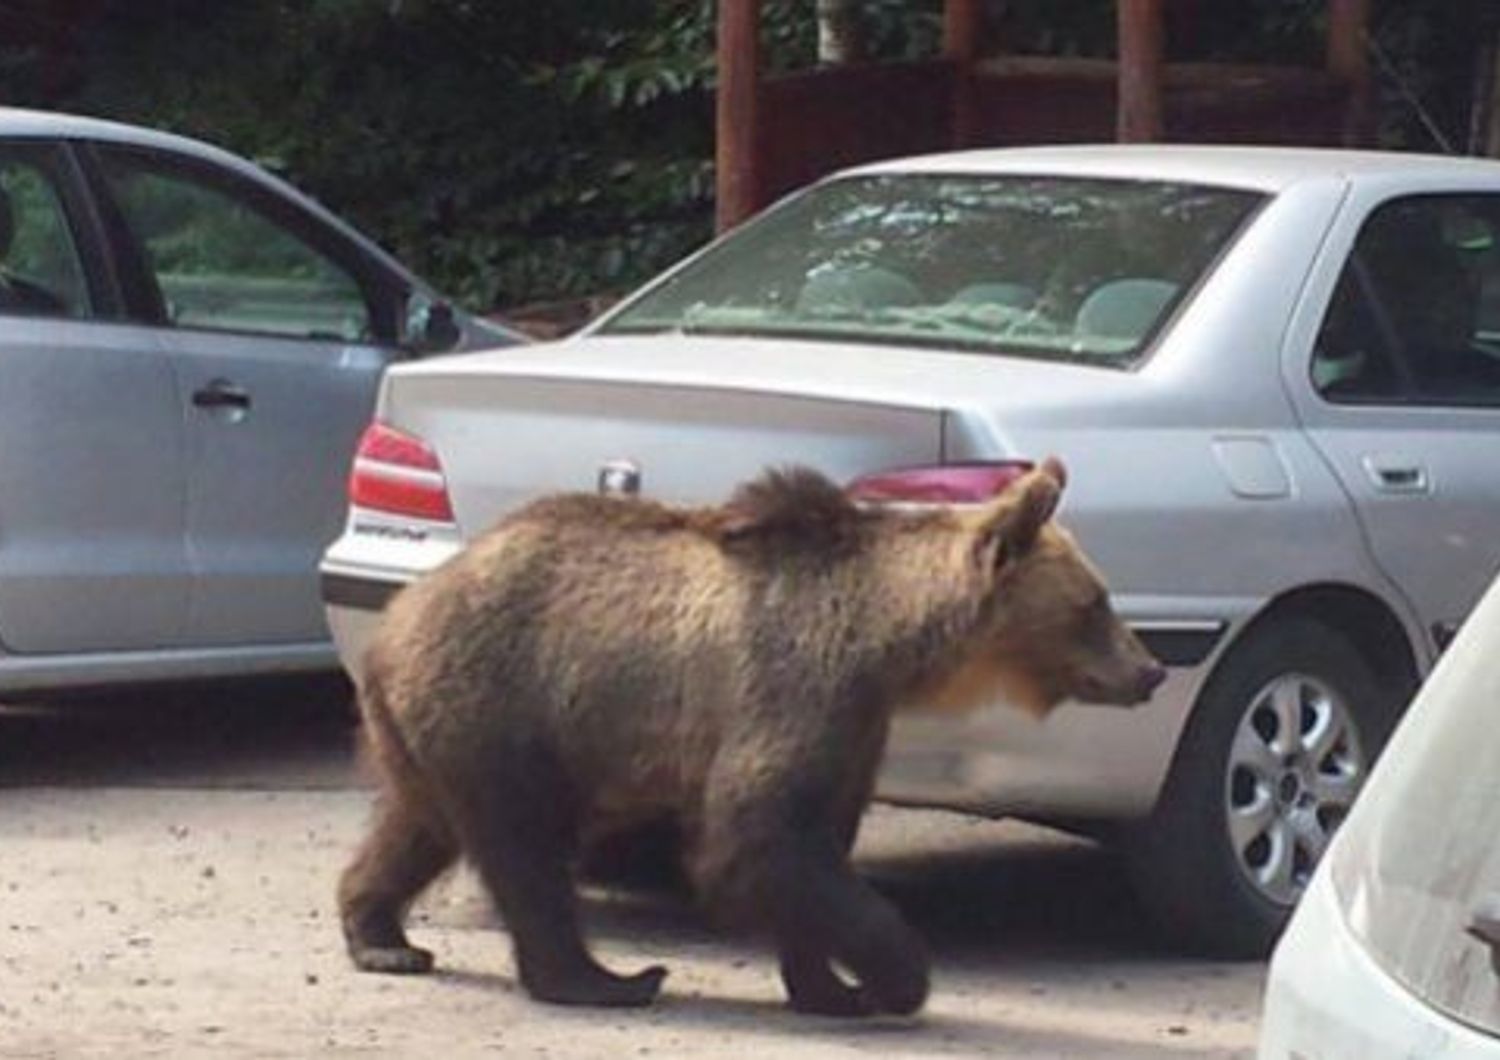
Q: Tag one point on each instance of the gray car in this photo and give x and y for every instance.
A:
(189, 349)
(1273, 374)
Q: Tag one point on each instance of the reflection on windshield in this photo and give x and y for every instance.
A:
(1056, 267)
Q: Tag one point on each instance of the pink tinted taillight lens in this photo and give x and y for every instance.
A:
(944, 484)
(399, 473)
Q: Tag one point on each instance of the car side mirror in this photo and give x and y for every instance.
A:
(428, 325)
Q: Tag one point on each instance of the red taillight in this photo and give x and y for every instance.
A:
(396, 472)
(944, 484)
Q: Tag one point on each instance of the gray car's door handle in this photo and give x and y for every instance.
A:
(221, 394)
(1397, 475)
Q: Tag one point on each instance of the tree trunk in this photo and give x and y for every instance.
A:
(1484, 107)
(841, 36)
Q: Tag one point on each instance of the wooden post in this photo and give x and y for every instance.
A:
(1487, 140)
(1482, 94)
(963, 37)
(1142, 49)
(737, 176)
(1348, 58)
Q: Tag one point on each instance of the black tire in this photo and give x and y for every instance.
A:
(1184, 864)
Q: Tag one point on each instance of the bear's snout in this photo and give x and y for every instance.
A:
(1128, 688)
(1149, 678)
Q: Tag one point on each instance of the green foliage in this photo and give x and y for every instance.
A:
(37, 250)
(516, 150)
(191, 230)
(1425, 67)
(507, 152)
(510, 151)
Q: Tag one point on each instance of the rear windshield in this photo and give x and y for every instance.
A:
(1419, 858)
(1053, 267)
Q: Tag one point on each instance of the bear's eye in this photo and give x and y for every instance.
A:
(1094, 619)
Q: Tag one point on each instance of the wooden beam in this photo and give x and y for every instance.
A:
(736, 154)
(1349, 59)
(1139, 116)
(963, 39)
(963, 26)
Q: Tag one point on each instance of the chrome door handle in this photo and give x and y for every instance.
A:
(1396, 475)
(221, 394)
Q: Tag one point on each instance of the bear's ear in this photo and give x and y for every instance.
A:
(1054, 467)
(1009, 527)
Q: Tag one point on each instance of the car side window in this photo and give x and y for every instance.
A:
(41, 272)
(220, 261)
(1415, 318)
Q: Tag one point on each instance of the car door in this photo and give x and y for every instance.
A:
(277, 331)
(92, 554)
(1404, 395)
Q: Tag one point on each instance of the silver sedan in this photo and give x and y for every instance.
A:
(1275, 378)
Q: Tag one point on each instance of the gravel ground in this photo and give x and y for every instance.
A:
(166, 878)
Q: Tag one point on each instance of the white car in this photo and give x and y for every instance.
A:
(1395, 949)
(1274, 376)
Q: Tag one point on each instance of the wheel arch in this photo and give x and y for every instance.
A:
(1180, 858)
(1371, 625)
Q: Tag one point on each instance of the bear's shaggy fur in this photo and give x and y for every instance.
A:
(593, 663)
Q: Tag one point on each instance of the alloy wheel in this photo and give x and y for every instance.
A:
(1295, 765)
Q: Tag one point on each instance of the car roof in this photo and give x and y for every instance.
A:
(1268, 169)
(17, 122)
(1259, 168)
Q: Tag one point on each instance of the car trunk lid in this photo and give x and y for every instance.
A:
(517, 429)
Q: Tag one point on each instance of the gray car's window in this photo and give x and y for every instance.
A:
(1415, 318)
(221, 263)
(40, 269)
(1055, 267)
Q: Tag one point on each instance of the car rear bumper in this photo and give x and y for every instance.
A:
(353, 592)
(1327, 998)
(1083, 763)
(354, 604)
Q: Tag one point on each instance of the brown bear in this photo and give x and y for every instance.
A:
(596, 662)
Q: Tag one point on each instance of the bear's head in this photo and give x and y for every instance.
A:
(1047, 632)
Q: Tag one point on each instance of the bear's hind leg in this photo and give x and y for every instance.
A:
(769, 852)
(812, 986)
(401, 856)
(523, 845)
(821, 912)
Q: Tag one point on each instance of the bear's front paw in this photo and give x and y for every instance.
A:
(594, 986)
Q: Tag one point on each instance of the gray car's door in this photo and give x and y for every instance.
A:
(92, 555)
(1406, 372)
(273, 335)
